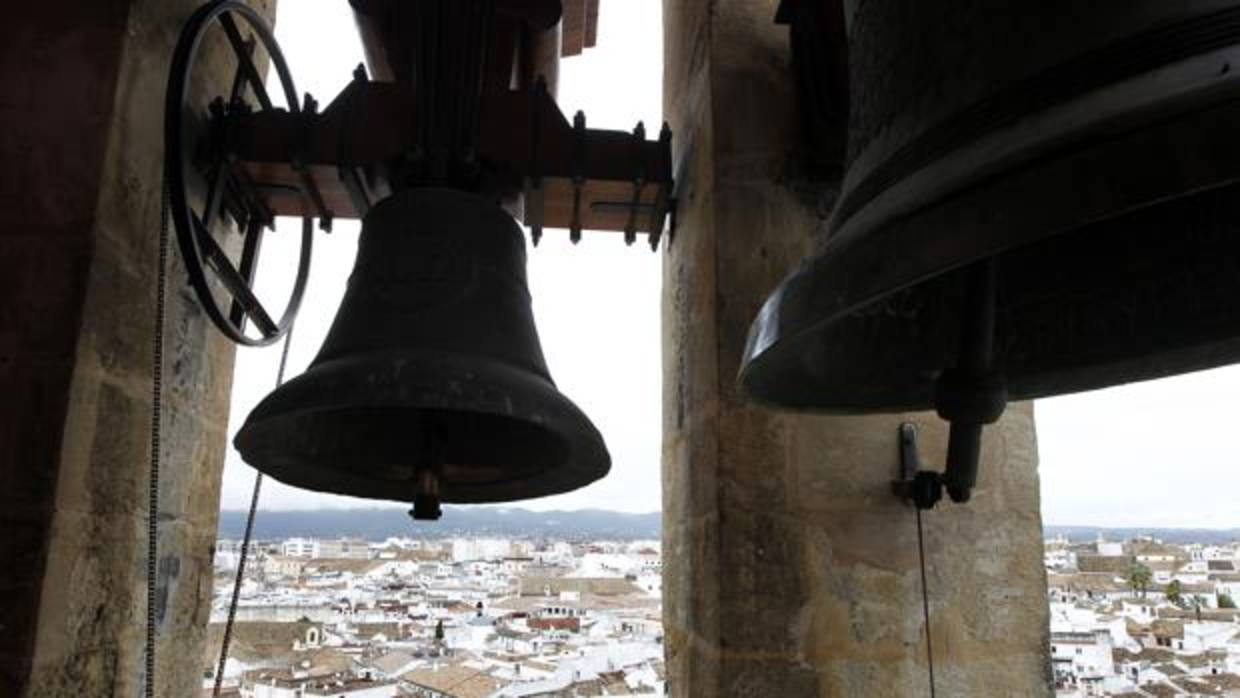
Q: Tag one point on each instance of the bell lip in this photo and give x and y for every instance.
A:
(806, 303)
(765, 346)
(587, 459)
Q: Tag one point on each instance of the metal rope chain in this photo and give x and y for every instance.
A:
(157, 370)
(157, 390)
(925, 600)
(245, 545)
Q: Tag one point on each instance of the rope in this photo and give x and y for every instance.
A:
(925, 600)
(157, 392)
(245, 545)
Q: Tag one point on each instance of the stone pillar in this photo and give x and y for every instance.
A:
(790, 569)
(81, 136)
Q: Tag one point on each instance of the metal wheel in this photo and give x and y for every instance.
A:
(206, 190)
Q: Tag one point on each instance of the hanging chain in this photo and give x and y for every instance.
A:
(925, 600)
(245, 545)
(152, 566)
(157, 392)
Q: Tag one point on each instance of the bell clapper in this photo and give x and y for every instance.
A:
(427, 483)
(969, 396)
(426, 496)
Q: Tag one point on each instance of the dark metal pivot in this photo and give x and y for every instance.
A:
(922, 487)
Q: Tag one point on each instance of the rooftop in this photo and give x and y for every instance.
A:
(457, 680)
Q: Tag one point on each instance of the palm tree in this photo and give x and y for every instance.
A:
(1197, 601)
(1173, 593)
(1138, 577)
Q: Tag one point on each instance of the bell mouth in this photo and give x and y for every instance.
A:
(369, 425)
(1144, 295)
(1102, 182)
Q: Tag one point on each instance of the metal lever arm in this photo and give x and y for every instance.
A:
(969, 395)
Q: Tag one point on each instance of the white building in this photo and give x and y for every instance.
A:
(298, 547)
(390, 665)
(470, 635)
(1082, 661)
(1208, 635)
(1109, 547)
(651, 583)
(282, 566)
(554, 554)
(468, 549)
(343, 687)
(338, 548)
(1233, 653)
(1143, 611)
(342, 548)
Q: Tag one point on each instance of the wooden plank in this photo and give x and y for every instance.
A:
(604, 203)
(573, 27)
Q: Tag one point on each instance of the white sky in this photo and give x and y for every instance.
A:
(1158, 453)
(1161, 453)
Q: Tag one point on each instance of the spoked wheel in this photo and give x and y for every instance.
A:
(209, 196)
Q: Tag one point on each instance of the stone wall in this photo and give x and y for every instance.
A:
(81, 136)
(790, 569)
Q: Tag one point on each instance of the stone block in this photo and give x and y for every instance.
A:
(80, 226)
(689, 550)
(118, 322)
(692, 664)
(763, 589)
(42, 279)
(762, 677)
(32, 416)
(81, 672)
(59, 71)
(190, 472)
(96, 593)
(790, 567)
(14, 668)
(18, 613)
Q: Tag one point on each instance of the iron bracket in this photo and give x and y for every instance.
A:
(579, 178)
(350, 174)
(924, 488)
(639, 183)
(309, 188)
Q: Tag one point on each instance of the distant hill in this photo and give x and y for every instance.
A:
(379, 524)
(1205, 536)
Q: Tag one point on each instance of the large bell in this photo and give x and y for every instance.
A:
(431, 384)
(1045, 192)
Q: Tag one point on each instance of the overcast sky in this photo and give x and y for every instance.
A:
(1155, 454)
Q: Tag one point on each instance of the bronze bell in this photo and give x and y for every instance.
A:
(1039, 198)
(431, 385)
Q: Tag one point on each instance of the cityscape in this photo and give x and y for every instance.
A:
(505, 616)
(1143, 617)
(465, 617)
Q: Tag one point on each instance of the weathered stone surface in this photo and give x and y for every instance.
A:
(58, 73)
(790, 569)
(83, 672)
(83, 116)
